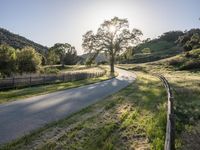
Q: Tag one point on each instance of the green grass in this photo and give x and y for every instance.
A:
(186, 92)
(135, 117)
(160, 49)
(16, 94)
(185, 61)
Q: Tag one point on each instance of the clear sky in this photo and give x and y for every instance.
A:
(50, 21)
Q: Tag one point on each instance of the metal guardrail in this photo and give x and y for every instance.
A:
(14, 82)
(170, 127)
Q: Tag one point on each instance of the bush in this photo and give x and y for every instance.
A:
(189, 65)
(7, 60)
(51, 70)
(175, 62)
(28, 60)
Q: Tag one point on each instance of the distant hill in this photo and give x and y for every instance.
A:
(17, 41)
(100, 58)
(162, 47)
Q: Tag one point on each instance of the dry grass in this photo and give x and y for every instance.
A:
(16, 94)
(186, 89)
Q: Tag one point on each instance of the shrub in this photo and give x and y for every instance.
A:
(51, 70)
(189, 65)
(28, 60)
(7, 60)
(175, 62)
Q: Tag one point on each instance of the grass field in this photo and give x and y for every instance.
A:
(135, 117)
(186, 89)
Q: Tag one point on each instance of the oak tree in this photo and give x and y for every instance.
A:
(112, 37)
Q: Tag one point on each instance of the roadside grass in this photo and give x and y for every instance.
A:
(15, 94)
(133, 118)
(186, 90)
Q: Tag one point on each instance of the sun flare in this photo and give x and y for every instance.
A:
(112, 28)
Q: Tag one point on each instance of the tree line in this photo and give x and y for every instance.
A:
(113, 37)
(28, 60)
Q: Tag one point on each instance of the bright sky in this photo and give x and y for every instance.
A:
(50, 21)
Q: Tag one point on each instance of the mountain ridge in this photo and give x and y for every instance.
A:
(18, 41)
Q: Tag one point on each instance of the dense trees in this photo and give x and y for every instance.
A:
(112, 37)
(7, 60)
(190, 40)
(171, 36)
(18, 61)
(28, 60)
(64, 54)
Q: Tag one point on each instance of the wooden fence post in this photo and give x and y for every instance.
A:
(63, 77)
(13, 81)
(30, 81)
(44, 81)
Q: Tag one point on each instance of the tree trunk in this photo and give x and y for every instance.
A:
(112, 61)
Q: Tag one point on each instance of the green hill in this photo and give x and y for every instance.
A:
(151, 50)
(185, 61)
(17, 41)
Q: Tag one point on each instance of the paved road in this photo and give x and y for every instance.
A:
(20, 117)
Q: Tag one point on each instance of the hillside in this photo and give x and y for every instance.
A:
(151, 50)
(17, 41)
(185, 61)
(100, 58)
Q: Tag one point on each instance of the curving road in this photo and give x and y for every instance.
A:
(20, 117)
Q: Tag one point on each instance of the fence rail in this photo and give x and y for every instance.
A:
(170, 128)
(14, 82)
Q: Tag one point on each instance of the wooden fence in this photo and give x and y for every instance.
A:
(170, 128)
(13, 82)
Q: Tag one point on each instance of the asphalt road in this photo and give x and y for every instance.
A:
(22, 116)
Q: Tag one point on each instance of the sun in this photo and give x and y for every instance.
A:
(112, 28)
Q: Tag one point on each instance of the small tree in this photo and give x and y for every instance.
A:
(112, 37)
(28, 60)
(7, 60)
(52, 57)
(71, 56)
(67, 53)
(146, 50)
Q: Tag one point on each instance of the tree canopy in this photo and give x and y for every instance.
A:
(63, 53)
(112, 37)
(190, 40)
(18, 61)
(7, 60)
(28, 60)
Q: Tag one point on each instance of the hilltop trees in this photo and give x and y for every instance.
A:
(19, 42)
(112, 37)
(190, 40)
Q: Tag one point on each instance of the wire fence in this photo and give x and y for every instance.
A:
(15, 82)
